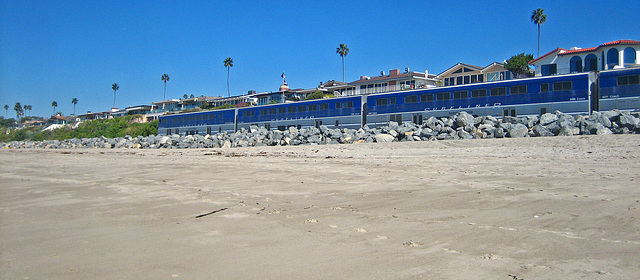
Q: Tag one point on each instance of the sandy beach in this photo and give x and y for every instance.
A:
(528, 208)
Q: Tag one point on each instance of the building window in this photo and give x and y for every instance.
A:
(560, 86)
(313, 107)
(264, 112)
(498, 91)
(426, 97)
(628, 80)
(392, 101)
(459, 80)
(591, 63)
(443, 96)
(612, 58)
(302, 108)
(338, 105)
(291, 109)
(324, 106)
(544, 87)
(349, 104)
(282, 110)
(460, 94)
(411, 99)
(518, 89)
(272, 111)
(478, 93)
(629, 56)
(549, 69)
(467, 80)
(381, 102)
(575, 64)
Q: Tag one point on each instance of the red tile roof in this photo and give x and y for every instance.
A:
(566, 52)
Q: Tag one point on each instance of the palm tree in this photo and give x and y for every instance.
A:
(74, 101)
(29, 107)
(165, 79)
(538, 17)
(228, 62)
(26, 107)
(18, 108)
(54, 105)
(115, 88)
(343, 50)
(6, 110)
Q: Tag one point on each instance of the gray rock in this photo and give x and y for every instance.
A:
(547, 118)
(384, 138)
(518, 130)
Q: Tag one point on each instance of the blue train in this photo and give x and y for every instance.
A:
(578, 93)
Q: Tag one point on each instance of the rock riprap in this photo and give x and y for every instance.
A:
(459, 126)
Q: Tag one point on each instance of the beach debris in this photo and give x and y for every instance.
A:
(310, 221)
(412, 243)
(212, 212)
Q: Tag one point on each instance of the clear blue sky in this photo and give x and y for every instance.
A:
(58, 50)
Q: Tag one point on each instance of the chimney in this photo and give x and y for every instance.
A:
(394, 72)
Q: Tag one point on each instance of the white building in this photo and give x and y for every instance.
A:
(616, 54)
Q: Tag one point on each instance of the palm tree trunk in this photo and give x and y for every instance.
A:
(342, 68)
(538, 40)
(165, 91)
(228, 92)
(114, 99)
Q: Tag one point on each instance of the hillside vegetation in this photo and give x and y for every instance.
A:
(110, 128)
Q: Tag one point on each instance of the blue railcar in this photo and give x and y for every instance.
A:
(204, 122)
(618, 89)
(567, 93)
(333, 112)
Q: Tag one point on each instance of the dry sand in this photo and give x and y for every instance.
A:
(533, 208)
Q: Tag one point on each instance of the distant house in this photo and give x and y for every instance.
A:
(394, 81)
(57, 120)
(610, 55)
(462, 74)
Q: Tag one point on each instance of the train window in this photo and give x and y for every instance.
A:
(302, 108)
(272, 111)
(220, 116)
(313, 107)
(324, 106)
(411, 99)
(338, 105)
(628, 80)
(392, 101)
(381, 102)
(291, 109)
(498, 91)
(443, 96)
(264, 112)
(460, 94)
(349, 104)
(518, 89)
(544, 87)
(426, 97)
(282, 110)
(478, 93)
(558, 86)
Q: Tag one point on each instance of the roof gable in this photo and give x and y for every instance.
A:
(462, 67)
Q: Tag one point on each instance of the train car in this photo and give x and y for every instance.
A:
(618, 89)
(532, 96)
(333, 112)
(204, 122)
